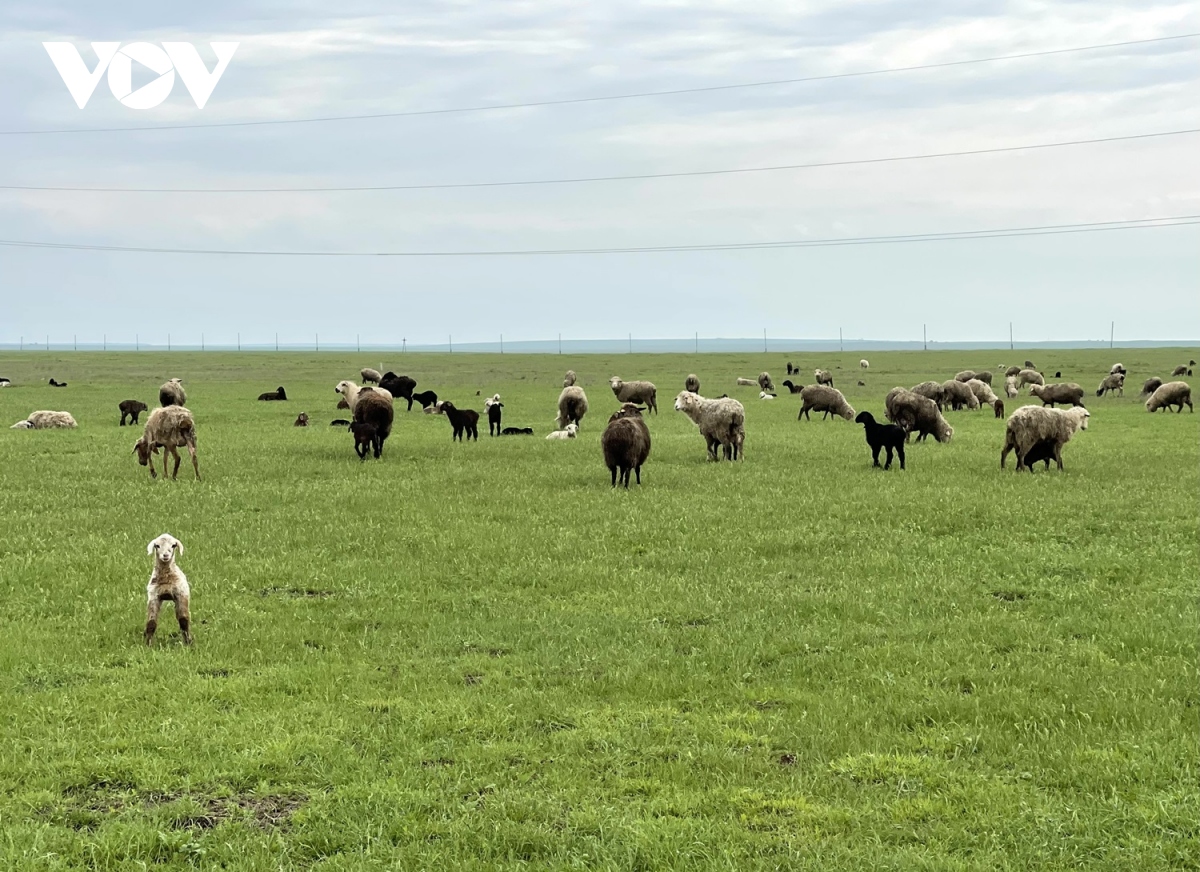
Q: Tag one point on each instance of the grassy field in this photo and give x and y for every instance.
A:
(481, 656)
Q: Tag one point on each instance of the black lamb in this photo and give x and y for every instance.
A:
(494, 418)
(425, 398)
(464, 421)
(365, 435)
(883, 436)
(517, 431)
(57, 384)
(131, 409)
(278, 394)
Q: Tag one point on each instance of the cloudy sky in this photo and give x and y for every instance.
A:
(300, 60)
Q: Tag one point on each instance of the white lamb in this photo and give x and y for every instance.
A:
(167, 582)
(567, 432)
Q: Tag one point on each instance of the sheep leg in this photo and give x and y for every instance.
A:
(183, 615)
(1057, 456)
(191, 447)
(153, 603)
(900, 452)
(875, 455)
(613, 470)
(638, 472)
(174, 452)
(888, 465)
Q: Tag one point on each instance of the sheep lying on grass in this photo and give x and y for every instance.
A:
(1114, 382)
(278, 394)
(46, 420)
(637, 392)
(370, 376)
(5, 383)
(572, 406)
(167, 584)
(168, 428)
(568, 432)
(722, 422)
(1029, 425)
(517, 431)
(625, 444)
(57, 384)
(763, 395)
(692, 383)
(823, 398)
(172, 393)
(339, 422)
(301, 420)
(883, 436)
(131, 409)
(1067, 393)
(1175, 393)
(915, 413)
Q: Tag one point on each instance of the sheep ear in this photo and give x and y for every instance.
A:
(150, 547)
(177, 545)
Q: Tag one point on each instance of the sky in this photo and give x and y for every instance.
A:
(302, 60)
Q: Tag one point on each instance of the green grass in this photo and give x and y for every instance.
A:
(481, 656)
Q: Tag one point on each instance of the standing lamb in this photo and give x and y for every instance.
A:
(572, 406)
(881, 436)
(764, 382)
(1066, 393)
(823, 377)
(864, 364)
(1029, 425)
(625, 444)
(998, 408)
(172, 393)
(399, 386)
(913, 412)
(46, 420)
(722, 422)
(370, 376)
(465, 422)
(637, 392)
(1114, 382)
(167, 584)
(1175, 393)
(493, 406)
(692, 383)
(168, 428)
(569, 379)
(823, 398)
(131, 409)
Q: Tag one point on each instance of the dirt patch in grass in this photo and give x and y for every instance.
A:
(88, 806)
(304, 592)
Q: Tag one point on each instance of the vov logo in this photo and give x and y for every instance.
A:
(172, 57)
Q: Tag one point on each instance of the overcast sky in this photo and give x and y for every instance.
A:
(299, 60)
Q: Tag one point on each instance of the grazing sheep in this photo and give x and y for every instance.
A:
(998, 408)
(365, 435)
(1029, 425)
(567, 432)
(692, 384)
(167, 584)
(46, 420)
(57, 384)
(1174, 393)
(493, 407)
(764, 382)
(721, 421)
(1114, 382)
(1150, 385)
(1029, 377)
(370, 406)
(399, 386)
(958, 395)
(913, 412)
(636, 392)
(339, 422)
(864, 364)
(881, 436)
(965, 376)
(824, 398)
(168, 428)
(1068, 392)
(1010, 386)
(983, 392)
(933, 391)
(278, 394)
(746, 382)
(464, 422)
(1012, 371)
(823, 377)
(792, 389)
(569, 379)
(131, 409)
(1029, 365)
(370, 376)
(172, 393)
(425, 398)
(301, 420)
(1180, 370)
(572, 406)
(625, 443)
(517, 431)
(1119, 368)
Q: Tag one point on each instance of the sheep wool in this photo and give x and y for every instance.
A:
(172, 393)
(764, 382)
(572, 406)
(913, 412)
(1030, 425)
(823, 398)
(1176, 393)
(637, 392)
(692, 383)
(1029, 377)
(46, 420)
(959, 395)
(721, 421)
(168, 428)
(1067, 393)
(864, 364)
(625, 444)
(370, 376)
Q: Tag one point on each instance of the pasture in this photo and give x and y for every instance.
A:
(480, 656)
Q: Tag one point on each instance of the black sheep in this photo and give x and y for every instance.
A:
(278, 394)
(794, 389)
(517, 431)
(625, 443)
(882, 436)
(131, 409)
(998, 407)
(464, 421)
(399, 386)
(339, 422)
(425, 398)
(365, 435)
(494, 418)
(57, 384)
(1043, 451)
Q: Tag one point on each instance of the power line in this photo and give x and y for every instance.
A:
(1044, 230)
(585, 179)
(606, 97)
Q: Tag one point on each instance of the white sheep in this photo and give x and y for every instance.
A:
(572, 406)
(1010, 386)
(167, 583)
(568, 432)
(983, 392)
(864, 364)
(746, 383)
(350, 391)
(1030, 426)
(370, 375)
(1175, 393)
(172, 393)
(639, 392)
(722, 422)
(45, 420)
(168, 428)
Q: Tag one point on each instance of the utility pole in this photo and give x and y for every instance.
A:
(168, 342)
(47, 341)
(697, 341)
(316, 342)
(501, 343)
(764, 340)
(357, 344)
(1112, 330)
(239, 342)
(1010, 341)
(450, 342)
(105, 340)
(137, 342)
(840, 348)
(75, 341)
(924, 337)
(560, 343)
(201, 341)
(403, 345)
(631, 343)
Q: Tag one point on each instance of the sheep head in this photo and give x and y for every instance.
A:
(164, 547)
